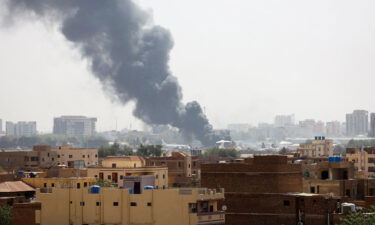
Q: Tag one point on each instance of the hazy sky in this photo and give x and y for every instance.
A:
(244, 61)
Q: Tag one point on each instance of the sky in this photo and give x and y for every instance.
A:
(244, 61)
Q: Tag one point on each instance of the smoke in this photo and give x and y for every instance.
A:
(128, 53)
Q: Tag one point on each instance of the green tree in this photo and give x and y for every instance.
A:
(114, 150)
(5, 215)
(283, 151)
(225, 153)
(149, 150)
(103, 183)
(358, 219)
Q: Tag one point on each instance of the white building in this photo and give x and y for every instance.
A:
(74, 126)
(21, 128)
(284, 120)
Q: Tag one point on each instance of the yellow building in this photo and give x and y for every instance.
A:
(116, 175)
(57, 182)
(316, 148)
(123, 161)
(67, 155)
(118, 207)
(363, 159)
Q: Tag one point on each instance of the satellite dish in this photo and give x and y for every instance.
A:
(224, 207)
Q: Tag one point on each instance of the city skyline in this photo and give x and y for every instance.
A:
(61, 83)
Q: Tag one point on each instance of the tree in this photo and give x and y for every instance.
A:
(149, 150)
(283, 151)
(114, 150)
(358, 219)
(103, 183)
(5, 215)
(225, 153)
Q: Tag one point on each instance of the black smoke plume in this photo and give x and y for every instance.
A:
(128, 52)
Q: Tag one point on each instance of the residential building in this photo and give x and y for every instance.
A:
(74, 126)
(183, 169)
(372, 125)
(318, 147)
(21, 129)
(357, 123)
(119, 206)
(333, 129)
(76, 157)
(284, 120)
(16, 188)
(239, 127)
(363, 159)
(267, 190)
(59, 182)
(117, 175)
(25, 213)
(44, 157)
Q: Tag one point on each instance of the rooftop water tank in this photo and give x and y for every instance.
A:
(149, 187)
(95, 189)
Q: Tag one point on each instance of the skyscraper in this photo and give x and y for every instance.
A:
(74, 126)
(21, 128)
(357, 123)
(372, 125)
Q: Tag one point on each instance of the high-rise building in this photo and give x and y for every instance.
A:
(21, 128)
(372, 125)
(74, 126)
(357, 123)
(284, 120)
(333, 129)
(1, 126)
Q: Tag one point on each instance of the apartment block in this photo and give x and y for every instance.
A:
(182, 169)
(333, 129)
(318, 147)
(118, 206)
(363, 159)
(44, 157)
(123, 161)
(357, 123)
(21, 128)
(74, 126)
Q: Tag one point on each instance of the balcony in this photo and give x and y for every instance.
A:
(206, 194)
(217, 217)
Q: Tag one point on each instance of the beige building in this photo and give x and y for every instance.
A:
(76, 157)
(118, 207)
(57, 182)
(363, 159)
(116, 175)
(182, 169)
(123, 161)
(42, 156)
(316, 148)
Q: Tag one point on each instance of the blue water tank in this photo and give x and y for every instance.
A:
(21, 172)
(331, 159)
(95, 189)
(131, 191)
(149, 187)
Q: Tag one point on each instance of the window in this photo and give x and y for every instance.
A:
(71, 202)
(78, 185)
(70, 156)
(58, 156)
(45, 185)
(97, 203)
(53, 159)
(96, 176)
(53, 185)
(96, 156)
(149, 204)
(179, 164)
(84, 184)
(121, 177)
(109, 177)
(194, 164)
(163, 176)
(371, 160)
(371, 169)
(113, 165)
(88, 156)
(192, 208)
(286, 203)
(157, 176)
(115, 203)
(133, 204)
(348, 192)
(189, 165)
(83, 156)
(163, 186)
(312, 189)
(82, 203)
